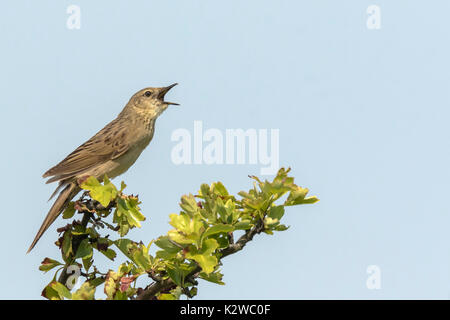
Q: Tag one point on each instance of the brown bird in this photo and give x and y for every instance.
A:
(111, 151)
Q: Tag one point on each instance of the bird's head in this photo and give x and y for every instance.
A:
(151, 100)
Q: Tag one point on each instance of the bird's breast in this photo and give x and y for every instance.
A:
(124, 162)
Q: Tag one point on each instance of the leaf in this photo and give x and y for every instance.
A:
(310, 200)
(126, 245)
(84, 249)
(270, 223)
(204, 190)
(125, 282)
(110, 284)
(222, 240)
(281, 227)
(109, 253)
(61, 289)
(124, 269)
(181, 222)
(219, 188)
(214, 277)
(193, 292)
(87, 263)
(297, 196)
(142, 259)
(166, 296)
(188, 230)
(204, 256)
(102, 245)
(134, 215)
(127, 214)
(276, 212)
(48, 264)
(169, 251)
(175, 275)
(50, 293)
(67, 245)
(120, 295)
(69, 211)
(243, 225)
(178, 291)
(96, 281)
(85, 292)
(165, 244)
(102, 193)
(189, 205)
(218, 228)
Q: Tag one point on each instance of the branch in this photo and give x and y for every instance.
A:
(248, 236)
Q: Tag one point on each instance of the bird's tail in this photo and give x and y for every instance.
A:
(63, 199)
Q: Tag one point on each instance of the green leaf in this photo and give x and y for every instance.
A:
(109, 253)
(243, 225)
(48, 264)
(214, 277)
(177, 292)
(102, 245)
(204, 190)
(222, 240)
(188, 230)
(69, 211)
(61, 289)
(87, 263)
(166, 296)
(96, 282)
(165, 244)
(84, 249)
(86, 292)
(50, 293)
(204, 257)
(67, 246)
(218, 228)
(169, 251)
(189, 205)
(193, 292)
(120, 295)
(127, 214)
(276, 212)
(142, 258)
(219, 188)
(310, 200)
(297, 196)
(270, 223)
(102, 193)
(281, 227)
(126, 246)
(176, 275)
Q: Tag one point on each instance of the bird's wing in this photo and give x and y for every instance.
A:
(109, 143)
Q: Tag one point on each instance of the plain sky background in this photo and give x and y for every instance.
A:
(363, 118)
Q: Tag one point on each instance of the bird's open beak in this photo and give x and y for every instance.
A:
(163, 92)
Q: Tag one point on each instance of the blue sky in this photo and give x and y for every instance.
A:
(362, 116)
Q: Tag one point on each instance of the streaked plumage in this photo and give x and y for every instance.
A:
(111, 151)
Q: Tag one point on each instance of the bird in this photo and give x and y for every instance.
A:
(112, 151)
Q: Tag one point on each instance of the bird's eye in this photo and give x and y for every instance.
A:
(147, 93)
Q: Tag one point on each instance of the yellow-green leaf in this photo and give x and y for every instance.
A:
(102, 193)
